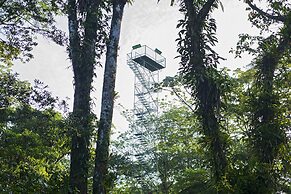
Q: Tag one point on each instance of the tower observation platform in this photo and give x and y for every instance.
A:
(148, 58)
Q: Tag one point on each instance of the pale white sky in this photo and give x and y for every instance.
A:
(145, 22)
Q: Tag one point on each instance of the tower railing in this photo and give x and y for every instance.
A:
(152, 54)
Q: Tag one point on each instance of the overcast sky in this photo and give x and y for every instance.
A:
(146, 23)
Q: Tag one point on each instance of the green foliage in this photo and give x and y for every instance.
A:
(245, 117)
(195, 181)
(173, 151)
(267, 135)
(181, 161)
(33, 139)
(21, 21)
(276, 11)
(251, 107)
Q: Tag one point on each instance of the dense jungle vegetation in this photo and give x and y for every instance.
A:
(218, 131)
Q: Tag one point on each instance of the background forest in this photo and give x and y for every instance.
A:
(218, 131)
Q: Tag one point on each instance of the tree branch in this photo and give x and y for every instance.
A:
(2, 2)
(180, 98)
(61, 157)
(190, 7)
(205, 10)
(265, 14)
(283, 45)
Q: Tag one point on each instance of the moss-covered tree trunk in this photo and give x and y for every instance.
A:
(102, 146)
(82, 54)
(199, 75)
(267, 136)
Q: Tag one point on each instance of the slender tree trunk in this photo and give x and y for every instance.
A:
(83, 59)
(102, 146)
(165, 185)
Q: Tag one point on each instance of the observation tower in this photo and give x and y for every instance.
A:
(146, 64)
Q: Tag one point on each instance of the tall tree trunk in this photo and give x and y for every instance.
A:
(83, 59)
(164, 177)
(205, 87)
(102, 146)
(267, 136)
(264, 112)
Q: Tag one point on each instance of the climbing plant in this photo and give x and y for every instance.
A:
(267, 134)
(198, 66)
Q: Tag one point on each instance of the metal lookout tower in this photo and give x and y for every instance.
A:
(146, 64)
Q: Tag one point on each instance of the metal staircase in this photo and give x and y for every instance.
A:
(147, 85)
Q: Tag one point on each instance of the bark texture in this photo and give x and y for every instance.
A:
(102, 146)
(82, 54)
